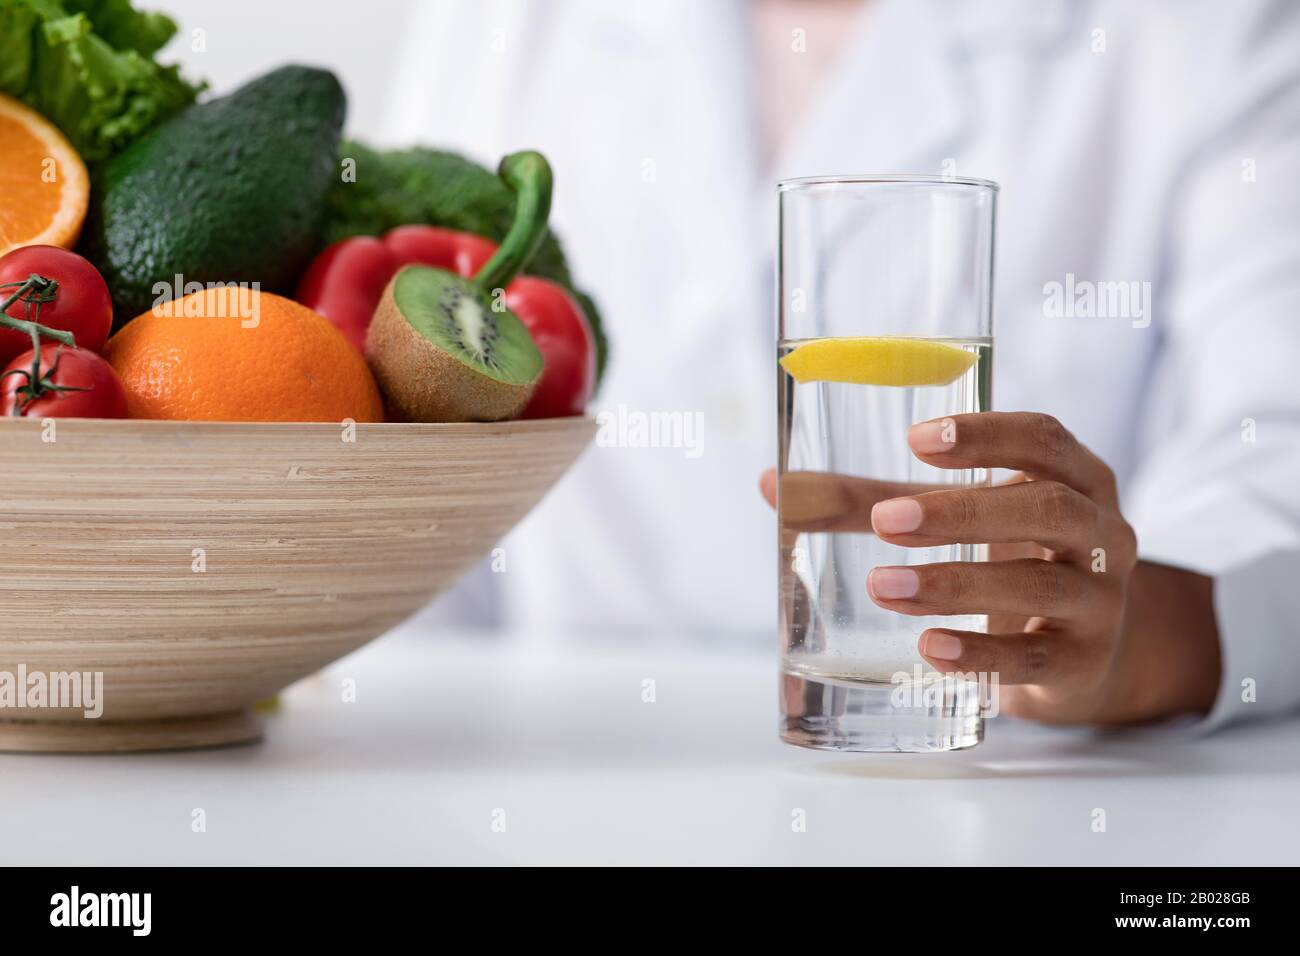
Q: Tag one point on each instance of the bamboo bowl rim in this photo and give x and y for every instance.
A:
(522, 424)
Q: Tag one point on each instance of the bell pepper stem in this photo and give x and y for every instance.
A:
(528, 174)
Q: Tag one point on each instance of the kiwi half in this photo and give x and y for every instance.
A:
(442, 347)
(442, 354)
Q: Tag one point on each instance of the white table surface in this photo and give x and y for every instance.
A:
(447, 731)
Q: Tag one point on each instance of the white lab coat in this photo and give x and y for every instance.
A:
(1154, 142)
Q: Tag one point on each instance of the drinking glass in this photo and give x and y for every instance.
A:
(886, 283)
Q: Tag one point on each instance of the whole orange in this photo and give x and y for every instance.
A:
(241, 355)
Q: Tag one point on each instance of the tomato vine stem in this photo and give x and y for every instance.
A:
(33, 292)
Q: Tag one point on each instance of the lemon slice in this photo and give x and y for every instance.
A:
(878, 361)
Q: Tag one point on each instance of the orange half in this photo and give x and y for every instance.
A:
(44, 189)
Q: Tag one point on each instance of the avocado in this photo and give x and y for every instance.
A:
(230, 190)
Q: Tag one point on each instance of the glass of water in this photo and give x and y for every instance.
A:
(884, 320)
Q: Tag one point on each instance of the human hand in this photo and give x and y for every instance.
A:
(1057, 586)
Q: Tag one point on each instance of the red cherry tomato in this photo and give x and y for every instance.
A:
(70, 383)
(81, 303)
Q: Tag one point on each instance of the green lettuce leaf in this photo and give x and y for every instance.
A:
(88, 67)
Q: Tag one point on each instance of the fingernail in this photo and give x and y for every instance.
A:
(897, 516)
(893, 583)
(932, 437)
(940, 646)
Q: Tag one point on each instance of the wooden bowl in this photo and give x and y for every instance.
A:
(201, 567)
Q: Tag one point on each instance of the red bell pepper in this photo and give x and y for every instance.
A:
(345, 283)
(347, 280)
